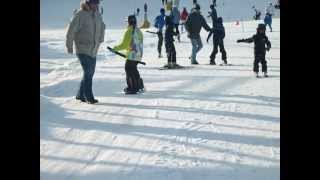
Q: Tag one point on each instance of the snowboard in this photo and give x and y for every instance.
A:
(222, 64)
(122, 55)
(141, 91)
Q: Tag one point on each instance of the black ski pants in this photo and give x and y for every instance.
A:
(218, 43)
(134, 81)
(171, 52)
(260, 58)
(160, 41)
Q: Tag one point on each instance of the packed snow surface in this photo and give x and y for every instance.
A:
(200, 123)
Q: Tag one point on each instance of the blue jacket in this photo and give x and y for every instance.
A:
(160, 22)
(268, 19)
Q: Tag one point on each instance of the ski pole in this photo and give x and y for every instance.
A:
(122, 55)
(151, 32)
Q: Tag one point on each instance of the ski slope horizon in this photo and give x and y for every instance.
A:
(56, 14)
(201, 123)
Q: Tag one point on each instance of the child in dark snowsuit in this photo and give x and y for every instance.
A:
(218, 32)
(170, 49)
(260, 41)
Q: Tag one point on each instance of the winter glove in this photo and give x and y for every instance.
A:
(268, 48)
(239, 40)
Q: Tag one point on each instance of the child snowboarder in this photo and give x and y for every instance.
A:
(159, 24)
(170, 49)
(218, 36)
(260, 41)
(257, 13)
(133, 43)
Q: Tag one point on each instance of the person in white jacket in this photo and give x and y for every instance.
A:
(86, 32)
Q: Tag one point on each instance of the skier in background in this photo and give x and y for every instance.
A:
(260, 41)
(168, 5)
(175, 3)
(213, 14)
(277, 6)
(175, 14)
(268, 16)
(195, 2)
(183, 17)
(159, 24)
(170, 49)
(193, 26)
(257, 13)
(146, 23)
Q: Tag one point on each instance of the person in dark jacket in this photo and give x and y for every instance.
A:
(175, 14)
(193, 26)
(159, 24)
(170, 49)
(195, 2)
(218, 32)
(260, 41)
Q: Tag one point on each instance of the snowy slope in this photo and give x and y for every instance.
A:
(56, 13)
(203, 123)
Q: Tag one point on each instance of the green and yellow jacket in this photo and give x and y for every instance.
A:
(133, 43)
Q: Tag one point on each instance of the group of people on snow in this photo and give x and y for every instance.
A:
(86, 31)
(269, 12)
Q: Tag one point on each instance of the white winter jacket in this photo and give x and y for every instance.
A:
(86, 30)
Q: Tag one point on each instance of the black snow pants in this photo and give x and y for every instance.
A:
(218, 43)
(160, 42)
(260, 58)
(171, 52)
(134, 81)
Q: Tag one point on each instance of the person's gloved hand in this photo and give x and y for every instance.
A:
(70, 50)
(239, 40)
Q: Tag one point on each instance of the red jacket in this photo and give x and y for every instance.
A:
(184, 15)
